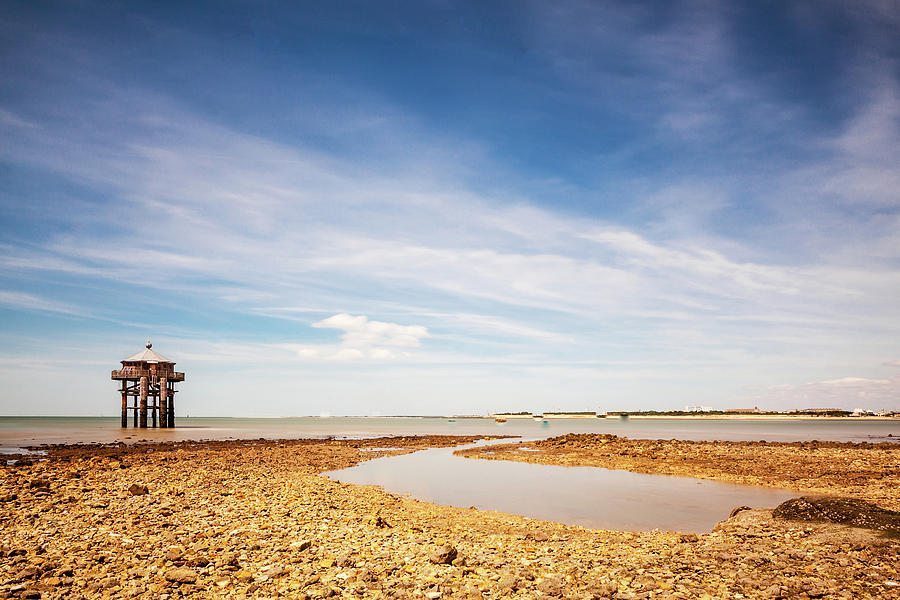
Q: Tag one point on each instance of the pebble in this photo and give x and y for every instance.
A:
(181, 576)
(444, 555)
(136, 489)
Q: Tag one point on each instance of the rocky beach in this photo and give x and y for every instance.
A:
(254, 519)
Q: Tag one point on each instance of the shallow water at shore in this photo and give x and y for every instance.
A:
(586, 496)
(33, 431)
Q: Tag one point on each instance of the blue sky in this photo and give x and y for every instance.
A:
(437, 207)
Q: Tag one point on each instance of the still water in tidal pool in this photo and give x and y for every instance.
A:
(586, 496)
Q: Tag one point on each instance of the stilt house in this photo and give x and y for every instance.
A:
(148, 378)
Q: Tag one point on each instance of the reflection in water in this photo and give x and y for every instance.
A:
(24, 451)
(587, 496)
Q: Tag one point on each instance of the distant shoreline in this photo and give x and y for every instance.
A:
(712, 417)
(737, 417)
(764, 417)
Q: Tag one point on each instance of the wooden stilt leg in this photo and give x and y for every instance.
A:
(124, 393)
(163, 402)
(154, 407)
(143, 404)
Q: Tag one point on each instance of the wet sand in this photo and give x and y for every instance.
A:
(255, 520)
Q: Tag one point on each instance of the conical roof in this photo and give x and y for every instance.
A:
(148, 356)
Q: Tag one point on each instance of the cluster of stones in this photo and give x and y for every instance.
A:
(248, 520)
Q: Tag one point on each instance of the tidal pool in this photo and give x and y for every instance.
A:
(586, 496)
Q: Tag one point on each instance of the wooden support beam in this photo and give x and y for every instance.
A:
(154, 403)
(124, 406)
(163, 402)
(172, 410)
(143, 404)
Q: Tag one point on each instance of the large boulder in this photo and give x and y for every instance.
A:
(846, 511)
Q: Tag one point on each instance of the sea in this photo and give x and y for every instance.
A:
(25, 432)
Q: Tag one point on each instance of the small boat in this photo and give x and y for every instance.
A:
(500, 420)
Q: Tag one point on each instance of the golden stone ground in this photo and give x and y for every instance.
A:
(254, 520)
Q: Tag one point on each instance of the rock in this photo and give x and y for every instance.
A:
(739, 509)
(198, 561)
(244, 576)
(689, 538)
(603, 590)
(173, 554)
(137, 489)
(846, 511)
(508, 583)
(552, 586)
(273, 571)
(31, 572)
(443, 555)
(30, 594)
(433, 595)
(815, 589)
(301, 546)
(39, 483)
(646, 582)
(181, 576)
(380, 522)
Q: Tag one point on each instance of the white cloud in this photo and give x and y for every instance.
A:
(360, 332)
(362, 339)
(346, 354)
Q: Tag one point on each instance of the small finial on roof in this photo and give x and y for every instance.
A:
(149, 345)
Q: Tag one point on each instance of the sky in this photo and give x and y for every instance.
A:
(431, 207)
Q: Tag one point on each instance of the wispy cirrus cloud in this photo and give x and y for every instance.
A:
(29, 302)
(681, 214)
(517, 256)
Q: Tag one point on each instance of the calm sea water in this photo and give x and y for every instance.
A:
(33, 431)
